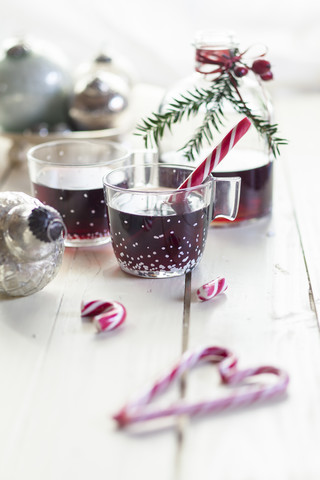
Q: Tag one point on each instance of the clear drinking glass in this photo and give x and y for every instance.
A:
(67, 175)
(156, 230)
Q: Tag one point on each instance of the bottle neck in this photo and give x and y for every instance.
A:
(213, 51)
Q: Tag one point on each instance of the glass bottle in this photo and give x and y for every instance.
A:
(251, 159)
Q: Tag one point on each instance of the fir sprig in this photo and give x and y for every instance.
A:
(263, 126)
(224, 88)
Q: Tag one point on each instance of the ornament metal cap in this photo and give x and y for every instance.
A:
(46, 224)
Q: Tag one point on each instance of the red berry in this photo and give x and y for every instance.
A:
(240, 71)
(261, 66)
(267, 76)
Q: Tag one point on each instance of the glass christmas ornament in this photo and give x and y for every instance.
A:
(218, 57)
(101, 94)
(31, 244)
(35, 85)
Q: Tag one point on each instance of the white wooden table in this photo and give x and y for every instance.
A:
(61, 382)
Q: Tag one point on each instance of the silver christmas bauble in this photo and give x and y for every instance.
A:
(35, 85)
(101, 96)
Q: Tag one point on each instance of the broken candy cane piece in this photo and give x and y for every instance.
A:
(112, 317)
(212, 289)
(90, 309)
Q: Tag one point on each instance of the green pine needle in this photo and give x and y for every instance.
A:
(153, 128)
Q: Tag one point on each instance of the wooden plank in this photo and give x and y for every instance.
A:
(63, 381)
(5, 166)
(17, 179)
(301, 161)
(265, 318)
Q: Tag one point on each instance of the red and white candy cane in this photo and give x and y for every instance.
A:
(137, 411)
(111, 318)
(212, 289)
(205, 168)
(94, 307)
(106, 315)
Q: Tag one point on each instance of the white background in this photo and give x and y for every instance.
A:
(156, 36)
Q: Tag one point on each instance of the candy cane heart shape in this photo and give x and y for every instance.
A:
(139, 410)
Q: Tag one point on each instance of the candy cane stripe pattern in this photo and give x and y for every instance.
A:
(212, 289)
(90, 309)
(243, 394)
(106, 315)
(218, 154)
(114, 316)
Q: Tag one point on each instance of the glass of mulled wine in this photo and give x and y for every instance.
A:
(156, 230)
(67, 175)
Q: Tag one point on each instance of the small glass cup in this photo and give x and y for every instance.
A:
(156, 230)
(67, 175)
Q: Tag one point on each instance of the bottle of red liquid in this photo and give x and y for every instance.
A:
(252, 158)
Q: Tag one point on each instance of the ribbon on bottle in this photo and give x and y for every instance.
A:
(225, 59)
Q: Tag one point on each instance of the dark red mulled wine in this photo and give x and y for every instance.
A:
(83, 211)
(158, 243)
(256, 193)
